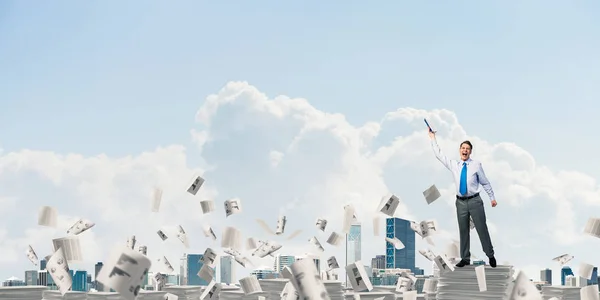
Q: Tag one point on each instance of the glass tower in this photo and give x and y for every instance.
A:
(403, 258)
(353, 245)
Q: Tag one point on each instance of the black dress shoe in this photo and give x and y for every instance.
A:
(492, 262)
(463, 263)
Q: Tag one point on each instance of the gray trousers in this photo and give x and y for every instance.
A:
(472, 208)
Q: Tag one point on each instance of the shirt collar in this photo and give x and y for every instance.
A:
(468, 161)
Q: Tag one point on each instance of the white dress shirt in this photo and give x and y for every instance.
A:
(475, 174)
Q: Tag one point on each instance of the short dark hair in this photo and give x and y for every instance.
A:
(468, 143)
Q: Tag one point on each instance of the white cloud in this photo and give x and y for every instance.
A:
(324, 162)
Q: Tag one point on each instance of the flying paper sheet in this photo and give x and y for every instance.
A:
(443, 264)
(321, 224)
(212, 291)
(162, 235)
(143, 250)
(586, 270)
(306, 280)
(70, 246)
(156, 199)
(349, 218)
(47, 216)
(563, 259)
(210, 257)
(167, 267)
(182, 236)
(209, 232)
(124, 272)
(281, 221)
(207, 273)
(315, 242)
(196, 185)
(523, 289)
(376, 222)
(131, 242)
(589, 292)
(427, 253)
(410, 295)
(431, 194)
(80, 226)
(266, 248)
(396, 242)
(332, 263)
(481, 281)
(207, 206)
(58, 268)
(294, 234)
(232, 238)
(251, 244)
(233, 206)
(335, 239)
(592, 227)
(390, 204)
(250, 285)
(406, 283)
(358, 277)
(31, 255)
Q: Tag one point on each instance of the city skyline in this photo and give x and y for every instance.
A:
(301, 118)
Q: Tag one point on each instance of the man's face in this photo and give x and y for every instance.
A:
(465, 151)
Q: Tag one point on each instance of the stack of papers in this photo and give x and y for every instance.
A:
(376, 295)
(561, 292)
(22, 292)
(462, 283)
(273, 287)
(70, 295)
(151, 295)
(239, 295)
(104, 296)
(185, 292)
(335, 289)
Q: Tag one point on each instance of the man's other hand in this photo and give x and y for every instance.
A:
(431, 134)
(494, 203)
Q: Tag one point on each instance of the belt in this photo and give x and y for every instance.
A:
(467, 197)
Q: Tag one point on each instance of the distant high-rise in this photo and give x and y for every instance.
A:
(378, 262)
(353, 243)
(42, 264)
(99, 286)
(183, 270)
(31, 277)
(419, 271)
(43, 278)
(227, 269)
(400, 258)
(80, 281)
(282, 261)
(546, 275)
(194, 264)
(566, 271)
(594, 279)
(13, 281)
(263, 273)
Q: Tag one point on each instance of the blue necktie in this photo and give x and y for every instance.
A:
(463, 180)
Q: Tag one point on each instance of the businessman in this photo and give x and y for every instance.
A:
(468, 175)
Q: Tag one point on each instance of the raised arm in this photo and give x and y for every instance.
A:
(485, 183)
(439, 154)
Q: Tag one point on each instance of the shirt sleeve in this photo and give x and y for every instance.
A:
(485, 183)
(440, 155)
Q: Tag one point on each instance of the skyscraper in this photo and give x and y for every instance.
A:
(402, 258)
(546, 275)
(353, 243)
(378, 262)
(227, 269)
(97, 268)
(282, 261)
(566, 271)
(594, 279)
(31, 277)
(194, 264)
(79, 281)
(42, 264)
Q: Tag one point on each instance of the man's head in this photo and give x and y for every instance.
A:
(465, 150)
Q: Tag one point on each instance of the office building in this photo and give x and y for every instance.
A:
(570, 280)
(378, 262)
(594, 279)
(479, 263)
(99, 286)
(419, 271)
(31, 277)
(183, 270)
(353, 243)
(546, 275)
(193, 264)
(227, 269)
(282, 261)
(13, 281)
(79, 281)
(400, 258)
(564, 272)
(264, 273)
(42, 265)
(43, 278)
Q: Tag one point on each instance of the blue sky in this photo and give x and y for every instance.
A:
(120, 78)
